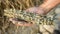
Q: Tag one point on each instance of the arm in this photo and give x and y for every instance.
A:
(49, 4)
(45, 7)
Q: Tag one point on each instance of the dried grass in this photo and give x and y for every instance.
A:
(8, 27)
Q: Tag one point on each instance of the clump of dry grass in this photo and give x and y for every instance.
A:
(20, 4)
(14, 4)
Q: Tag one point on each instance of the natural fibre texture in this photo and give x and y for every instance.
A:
(7, 27)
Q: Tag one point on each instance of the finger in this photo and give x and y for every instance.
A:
(40, 11)
(32, 10)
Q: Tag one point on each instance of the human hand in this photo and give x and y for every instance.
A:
(37, 10)
(22, 23)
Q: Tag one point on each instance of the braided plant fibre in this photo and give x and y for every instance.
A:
(18, 5)
(14, 4)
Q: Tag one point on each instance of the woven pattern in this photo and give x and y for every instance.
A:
(30, 17)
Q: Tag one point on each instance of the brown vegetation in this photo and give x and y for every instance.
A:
(8, 27)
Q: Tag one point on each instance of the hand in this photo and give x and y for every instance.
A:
(33, 10)
(37, 10)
